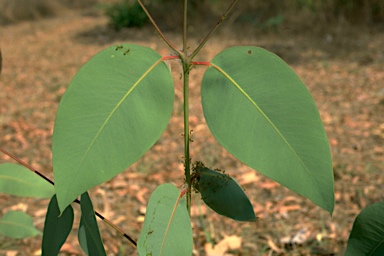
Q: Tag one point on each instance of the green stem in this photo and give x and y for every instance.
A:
(186, 68)
(187, 159)
(223, 17)
(185, 27)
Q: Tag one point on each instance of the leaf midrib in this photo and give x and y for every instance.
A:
(266, 117)
(115, 108)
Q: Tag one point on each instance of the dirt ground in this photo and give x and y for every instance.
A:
(343, 68)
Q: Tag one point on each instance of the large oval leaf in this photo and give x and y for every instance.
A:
(56, 228)
(367, 235)
(17, 224)
(17, 180)
(114, 110)
(167, 226)
(261, 112)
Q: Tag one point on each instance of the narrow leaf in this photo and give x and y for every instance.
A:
(56, 228)
(167, 226)
(89, 235)
(115, 109)
(261, 112)
(17, 180)
(367, 235)
(17, 224)
(223, 194)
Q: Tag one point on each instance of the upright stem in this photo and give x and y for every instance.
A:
(186, 65)
(187, 158)
(185, 27)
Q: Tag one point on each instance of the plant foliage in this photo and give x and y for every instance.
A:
(17, 180)
(125, 14)
(56, 228)
(222, 194)
(118, 105)
(17, 224)
(261, 112)
(167, 227)
(89, 235)
(367, 235)
(114, 110)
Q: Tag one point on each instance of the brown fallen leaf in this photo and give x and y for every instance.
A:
(300, 237)
(11, 253)
(70, 249)
(249, 177)
(273, 245)
(228, 243)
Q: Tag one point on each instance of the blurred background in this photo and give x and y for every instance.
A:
(262, 14)
(335, 46)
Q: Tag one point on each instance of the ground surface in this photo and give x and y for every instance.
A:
(343, 69)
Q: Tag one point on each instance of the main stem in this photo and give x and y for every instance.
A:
(186, 65)
(187, 159)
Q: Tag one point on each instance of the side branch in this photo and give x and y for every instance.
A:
(223, 17)
(158, 29)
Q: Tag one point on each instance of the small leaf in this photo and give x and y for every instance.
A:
(17, 224)
(260, 111)
(17, 180)
(89, 235)
(367, 235)
(115, 109)
(56, 228)
(223, 194)
(167, 226)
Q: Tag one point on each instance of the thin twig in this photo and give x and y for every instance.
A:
(223, 17)
(169, 43)
(76, 201)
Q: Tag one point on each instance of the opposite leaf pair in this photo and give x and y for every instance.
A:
(57, 228)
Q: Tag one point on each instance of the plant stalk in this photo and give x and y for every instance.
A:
(187, 159)
(185, 9)
(186, 68)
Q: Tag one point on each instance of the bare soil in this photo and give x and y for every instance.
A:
(341, 66)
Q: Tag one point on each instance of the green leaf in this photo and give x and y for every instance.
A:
(114, 110)
(223, 194)
(367, 235)
(17, 180)
(17, 224)
(89, 235)
(56, 228)
(167, 226)
(261, 112)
